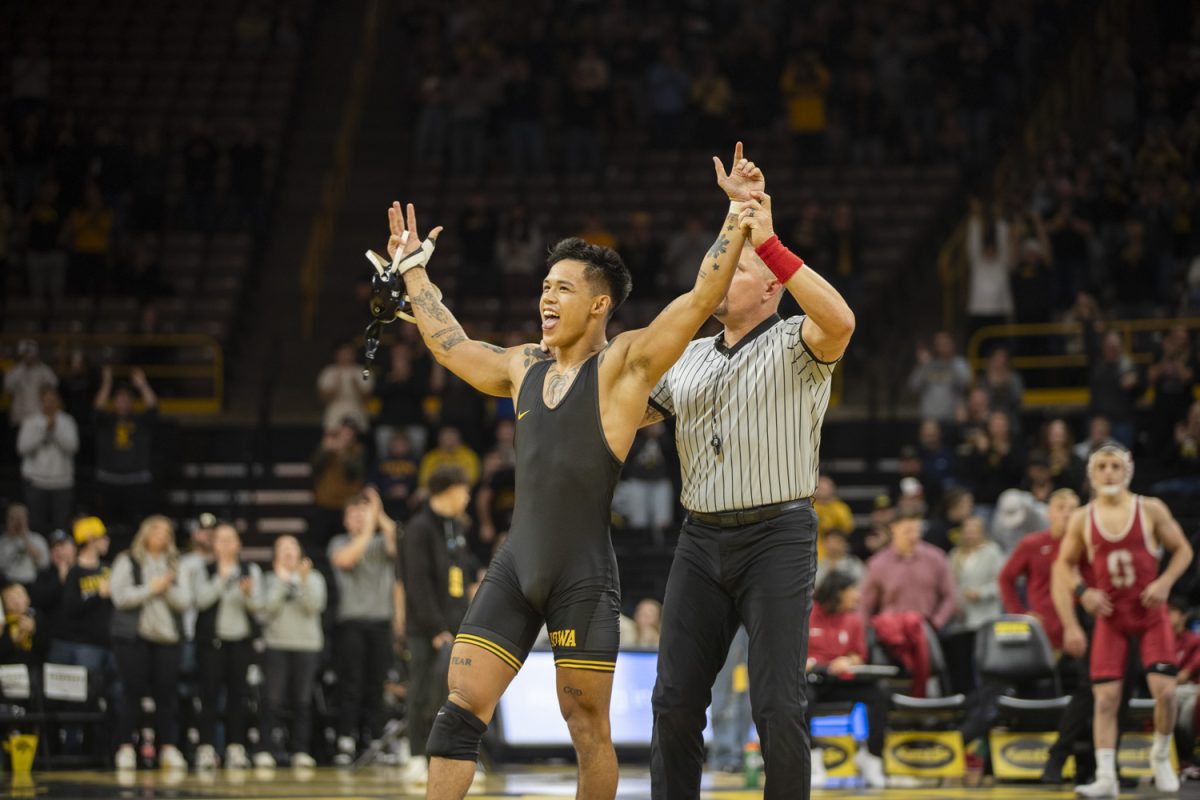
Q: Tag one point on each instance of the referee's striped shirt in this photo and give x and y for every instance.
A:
(762, 401)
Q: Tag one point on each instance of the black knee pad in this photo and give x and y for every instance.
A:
(456, 734)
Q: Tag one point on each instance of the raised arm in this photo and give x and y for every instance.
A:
(149, 398)
(489, 368)
(651, 351)
(830, 322)
(105, 391)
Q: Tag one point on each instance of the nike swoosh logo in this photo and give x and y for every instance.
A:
(521, 416)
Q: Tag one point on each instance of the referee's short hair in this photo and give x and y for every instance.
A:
(447, 477)
(603, 268)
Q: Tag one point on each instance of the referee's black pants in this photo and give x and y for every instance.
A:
(761, 576)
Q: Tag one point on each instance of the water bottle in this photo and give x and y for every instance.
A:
(752, 764)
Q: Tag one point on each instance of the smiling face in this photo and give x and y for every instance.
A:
(570, 303)
(753, 292)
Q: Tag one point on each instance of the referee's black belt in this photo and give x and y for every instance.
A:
(748, 516)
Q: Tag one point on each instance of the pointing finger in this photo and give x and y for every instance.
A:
(737, 152)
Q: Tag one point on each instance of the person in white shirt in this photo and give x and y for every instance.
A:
(344, 390)
(47, 442)
(989, 258)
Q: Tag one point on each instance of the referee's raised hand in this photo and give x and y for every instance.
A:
(742, 179)
(755, 218)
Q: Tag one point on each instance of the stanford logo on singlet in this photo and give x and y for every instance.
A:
(1124, 562)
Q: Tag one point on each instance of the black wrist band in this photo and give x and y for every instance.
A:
(1080, 588)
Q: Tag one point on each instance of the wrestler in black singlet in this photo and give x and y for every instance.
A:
(558, 563)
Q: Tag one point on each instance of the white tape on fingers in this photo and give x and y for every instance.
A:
(417, 258)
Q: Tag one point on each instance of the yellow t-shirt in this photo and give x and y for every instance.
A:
(831, 515)
(464, 458)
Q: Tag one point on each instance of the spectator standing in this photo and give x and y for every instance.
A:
(1183, 457)
(1006, 390)
(1113, 381)
(46, 593)
(45, 259)
(997, 461)
(945, 530)
(363, 560)
(645, 494)
(450, 451)
(23, 553)
(910, 575)
(439, 577)
(940, 379)
(832, 512)
(124, 449)
(804, 85)
(47, 443)
(396, 477)
(1099, 432)
(294, 598)
(90, 231)
(976, 563)
(1066, 467)
(939, 467)
(149, 595)
(226, 595)
(989, 259)
(81, 636)
(339, 469)
(837, 643)
(403, 391)
(344, 390)
(1173, 378)
(24, 383)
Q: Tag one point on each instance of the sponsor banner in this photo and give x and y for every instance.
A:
(1022, 756)
(839, 755)
(924, 754)
(1133, 755)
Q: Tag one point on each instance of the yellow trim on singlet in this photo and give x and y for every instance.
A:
(491, 647)
(595, 666)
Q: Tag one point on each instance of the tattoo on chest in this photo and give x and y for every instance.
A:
(557, 385)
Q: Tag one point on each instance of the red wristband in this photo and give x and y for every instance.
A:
(781, 261)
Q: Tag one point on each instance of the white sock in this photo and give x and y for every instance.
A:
(1161, 749)
(1106, 763)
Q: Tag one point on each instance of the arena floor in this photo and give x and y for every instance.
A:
(528, 783)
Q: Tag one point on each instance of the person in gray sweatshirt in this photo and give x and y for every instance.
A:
(148, 597)
(294, 596)
(227, 593)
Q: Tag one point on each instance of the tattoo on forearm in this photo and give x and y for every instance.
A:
(460, 662)
(718, 248)
(493, 347)
(428, 302)
(571, 690)
(534, 354)
(449, 338)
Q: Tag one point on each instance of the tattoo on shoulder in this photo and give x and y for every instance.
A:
(533, 354)
(449, 338)
(719, 246)
(495, 348)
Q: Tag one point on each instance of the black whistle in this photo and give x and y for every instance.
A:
(715, 441)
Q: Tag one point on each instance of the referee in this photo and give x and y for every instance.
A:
(748, 406)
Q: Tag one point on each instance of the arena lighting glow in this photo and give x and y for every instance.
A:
(1116, 449)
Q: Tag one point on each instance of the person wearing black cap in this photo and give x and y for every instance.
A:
(439, 569)
(47, 591)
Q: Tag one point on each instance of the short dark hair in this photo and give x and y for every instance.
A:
(829, 594)
(603, 268)
(906, 514)
(446, 477)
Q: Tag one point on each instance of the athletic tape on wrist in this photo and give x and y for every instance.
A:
(736, 206)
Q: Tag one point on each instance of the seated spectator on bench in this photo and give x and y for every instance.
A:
(838, 557)
(836, 644)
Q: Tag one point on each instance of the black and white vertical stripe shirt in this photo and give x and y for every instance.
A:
(748, 418)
